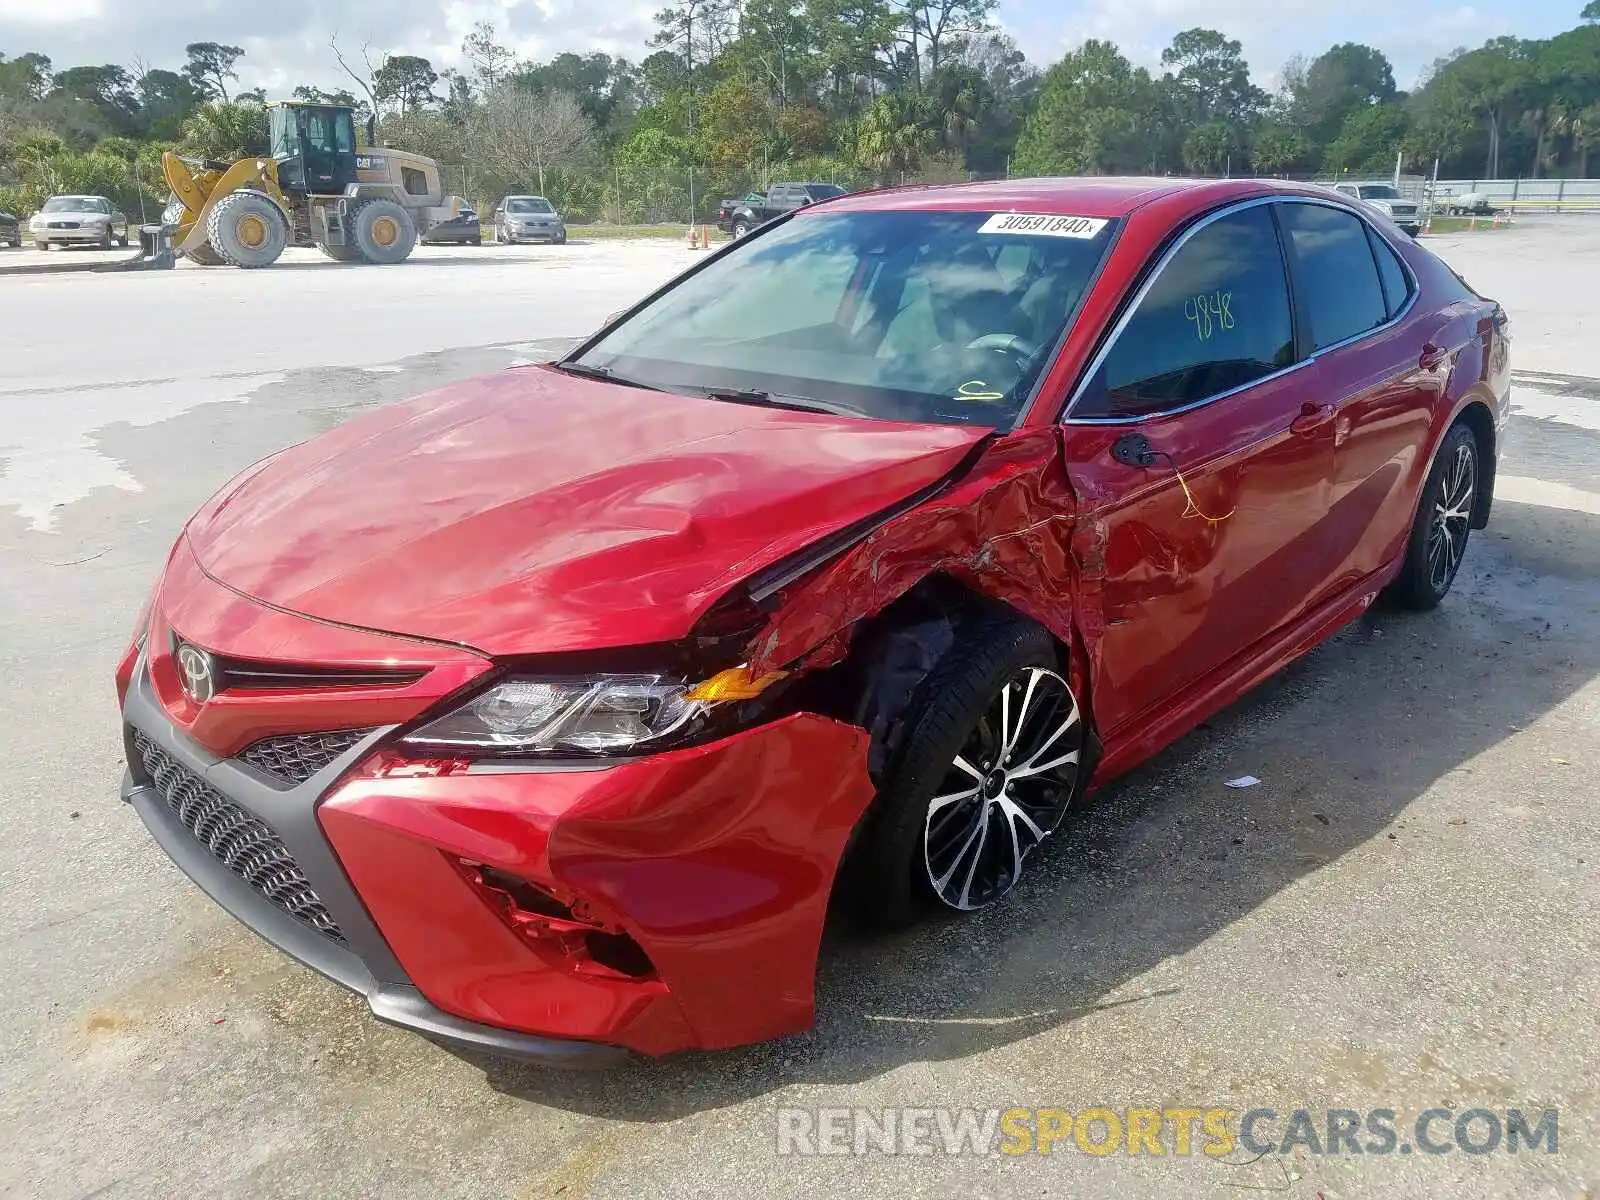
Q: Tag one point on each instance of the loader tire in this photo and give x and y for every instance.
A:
(344, 254)
(247, 230)
(205, 256)
(382, 231)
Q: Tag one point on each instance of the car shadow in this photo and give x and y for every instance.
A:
(1162, 859)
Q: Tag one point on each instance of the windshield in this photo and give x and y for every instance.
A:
(89, 204)
(1378, 191)
(529, 205)
(823, 191)
(911, 316)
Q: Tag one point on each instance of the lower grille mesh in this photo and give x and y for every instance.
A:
(294, 758)
(238, 840)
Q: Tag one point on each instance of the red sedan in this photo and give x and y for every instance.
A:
(549, 710)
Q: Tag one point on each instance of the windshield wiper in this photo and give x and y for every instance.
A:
(777, 400)
(590, 371)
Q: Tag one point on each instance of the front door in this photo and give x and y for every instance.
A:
(1202, 471)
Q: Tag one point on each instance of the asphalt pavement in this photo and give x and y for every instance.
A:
(1399, 915)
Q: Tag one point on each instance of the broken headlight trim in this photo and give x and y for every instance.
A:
(592, 714)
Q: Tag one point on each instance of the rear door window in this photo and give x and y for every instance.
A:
(1215, 319)
(1396, 283)
(1335, 272)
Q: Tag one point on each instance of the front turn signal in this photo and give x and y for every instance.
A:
(736, 683)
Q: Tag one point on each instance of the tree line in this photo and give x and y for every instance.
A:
(733, 92)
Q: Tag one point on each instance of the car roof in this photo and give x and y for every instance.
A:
(1083, 196)
(523, 196)
(79, 196)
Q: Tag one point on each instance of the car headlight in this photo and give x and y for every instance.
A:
(597, 714)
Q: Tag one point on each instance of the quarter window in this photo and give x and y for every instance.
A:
(1216, 318)
(1336, 273)
(1396, 283)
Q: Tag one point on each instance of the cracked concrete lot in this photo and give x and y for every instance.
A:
(1401, 915)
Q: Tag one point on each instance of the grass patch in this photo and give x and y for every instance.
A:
(1462, 224)
(676, 232)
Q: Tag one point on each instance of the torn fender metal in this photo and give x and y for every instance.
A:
(1004, 529)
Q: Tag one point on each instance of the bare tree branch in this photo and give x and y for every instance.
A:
(365, 84)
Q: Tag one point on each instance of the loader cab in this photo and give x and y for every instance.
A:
(314, 146)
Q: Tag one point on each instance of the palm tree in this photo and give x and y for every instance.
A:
(225, 131)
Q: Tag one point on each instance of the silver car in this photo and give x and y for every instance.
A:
(1386, 198)
(528, 219)
(78, 221)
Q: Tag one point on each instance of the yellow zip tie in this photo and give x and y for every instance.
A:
(1191, 509)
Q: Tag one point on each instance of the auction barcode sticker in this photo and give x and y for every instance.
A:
(1048, 224)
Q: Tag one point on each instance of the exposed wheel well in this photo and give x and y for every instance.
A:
(1477, 418)
(892, 654)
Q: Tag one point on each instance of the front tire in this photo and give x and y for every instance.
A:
(247, 229)
(1438, 540)
(740, 228)
(991, 761)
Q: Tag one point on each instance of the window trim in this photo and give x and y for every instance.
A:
(1130, 306)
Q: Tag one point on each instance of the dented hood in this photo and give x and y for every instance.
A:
(532, 511)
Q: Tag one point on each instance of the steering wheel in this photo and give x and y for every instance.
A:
(1009, 344)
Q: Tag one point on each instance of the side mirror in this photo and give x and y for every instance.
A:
(372, 130)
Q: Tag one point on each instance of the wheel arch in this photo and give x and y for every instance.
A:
(892, 653)
(1475, 414)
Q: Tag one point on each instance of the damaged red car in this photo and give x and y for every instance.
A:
(550, 710)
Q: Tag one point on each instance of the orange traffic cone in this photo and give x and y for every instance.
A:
(705, 237)
(694, 238)
(1427, 225)
(1473, 223)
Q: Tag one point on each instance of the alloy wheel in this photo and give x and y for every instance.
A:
(1005, 791)
(1452, 514)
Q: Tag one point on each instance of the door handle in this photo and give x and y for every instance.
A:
(1433, 356)
(1312, 417)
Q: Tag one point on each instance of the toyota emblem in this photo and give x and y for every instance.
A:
(198, 671)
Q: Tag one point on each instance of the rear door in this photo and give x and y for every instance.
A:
(1377, 375)
(1212, 544)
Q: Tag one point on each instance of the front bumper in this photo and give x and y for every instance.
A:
(716, 860)
(74, 236)
(360, 959)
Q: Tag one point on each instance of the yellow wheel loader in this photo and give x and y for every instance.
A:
(314, 189)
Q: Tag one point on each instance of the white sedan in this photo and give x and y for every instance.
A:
(78, 220)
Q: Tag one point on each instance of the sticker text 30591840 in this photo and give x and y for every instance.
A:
(1046, 224)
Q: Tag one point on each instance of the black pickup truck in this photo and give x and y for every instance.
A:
(739, 217)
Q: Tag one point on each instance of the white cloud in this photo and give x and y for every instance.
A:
(286, 42)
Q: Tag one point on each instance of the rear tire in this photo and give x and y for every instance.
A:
(41, 246)
(247, 229)
(381, 231)
(740, 228)
(1439, 532)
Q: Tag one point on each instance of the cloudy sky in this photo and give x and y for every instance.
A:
(286, 41)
